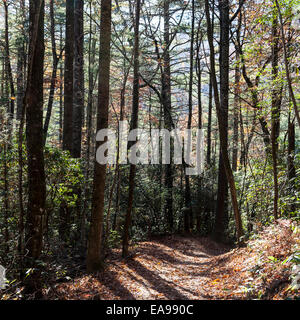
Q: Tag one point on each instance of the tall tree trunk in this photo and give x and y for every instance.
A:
(34, 139)
(78, 93)
(20, 80)
(209, 123)
(6, 197)
(290, 160)
(286, 63)
(188, 213)
(89, 113)
(237, 100)
(94, 257)
(61, 73)
(222, 196)
(210, 100)
(199, 89)
(166, 100)
(65, 210)
(55, 61)
(223, 129)
(133, 125)
(236, 113)
(21, 63)
(276, 103)
(118, 171)
(8, 63)
(68, 79)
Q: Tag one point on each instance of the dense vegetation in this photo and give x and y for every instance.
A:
(71, 68)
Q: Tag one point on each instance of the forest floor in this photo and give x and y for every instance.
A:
(182, 268)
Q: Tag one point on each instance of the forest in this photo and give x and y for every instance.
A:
(90, 211)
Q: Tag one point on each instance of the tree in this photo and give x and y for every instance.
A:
(34, 139)
(222, 128)
(276, 105)
(21, 63)
(78, 90)
(68, 79)
(222, 195)
(8, 63)
(188, 213)
(55, 61)
(133, 126)
(287, 64)
(167, 109)
(94, 256)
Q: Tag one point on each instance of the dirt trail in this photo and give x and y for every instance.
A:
(173, 268)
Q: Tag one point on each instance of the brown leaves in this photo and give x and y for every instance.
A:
(188, 268)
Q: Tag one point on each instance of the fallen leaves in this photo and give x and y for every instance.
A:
(190, 268)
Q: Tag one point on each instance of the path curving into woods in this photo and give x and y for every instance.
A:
(172, 268)
(190, 268)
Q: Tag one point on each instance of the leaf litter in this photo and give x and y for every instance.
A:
(192, 268)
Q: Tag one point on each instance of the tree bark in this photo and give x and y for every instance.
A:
(286, 63)
(188, 223)
(222, 129)
(68, 79)
(222, 195)
(236, 114)
(133, 125)
(275, 113)
(8, 63)
(55, 61)
(166, 100)
(34, 139)
(78, 93)
(290, 160)
(94, 257)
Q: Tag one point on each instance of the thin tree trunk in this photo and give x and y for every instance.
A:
(222, 129)
(210, 101)
(199, 89)
(61, 72)
(55, 61)
(68, 79)
(78, 90)
(209, 123)
(20, 80)
(6, 198)
(8, 63)
(188, 213)
(166, 100)
(236, 114)
(65, 210)
(133, 125)
(91, 77)
(21, 64)
(222, 195)
(286, 63)
(276, 102)
(118, 172)
(290, 160)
